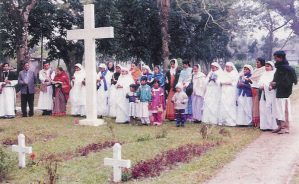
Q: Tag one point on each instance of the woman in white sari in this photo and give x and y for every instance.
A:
(211, 109)
(122, 104)
(78, 92)
(267, 119)
(199, 89)
(228, 108)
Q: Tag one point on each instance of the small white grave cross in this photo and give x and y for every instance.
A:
(89, 34)
(22, 150)
(117, 162)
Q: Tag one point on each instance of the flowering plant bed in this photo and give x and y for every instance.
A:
(168, 159)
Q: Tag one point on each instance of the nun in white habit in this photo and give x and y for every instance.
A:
(103, 85)
(212, 99)
(78, 92)
(122, 103)
(267, 118)
(228, 108)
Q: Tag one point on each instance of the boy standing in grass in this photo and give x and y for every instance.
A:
(132, 96)
(180, 100)
(145, 97)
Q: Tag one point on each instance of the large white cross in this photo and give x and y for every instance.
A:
(89, 34)
(22, 150)
(117, 162)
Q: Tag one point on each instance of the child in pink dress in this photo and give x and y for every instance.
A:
(158, 103)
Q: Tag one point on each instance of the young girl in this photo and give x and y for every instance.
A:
(244, 109)
(211, 110)
(158, 102)
(180, 100)
(267, 119)
(132, 96)
(145, 97)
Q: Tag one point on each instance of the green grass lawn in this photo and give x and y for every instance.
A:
(48, 135)
(60, 135)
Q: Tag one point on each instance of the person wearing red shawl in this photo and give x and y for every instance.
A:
(62, 90)
(135, 72)
(255, 77)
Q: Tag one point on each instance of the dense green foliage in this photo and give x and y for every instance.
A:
(137, 30)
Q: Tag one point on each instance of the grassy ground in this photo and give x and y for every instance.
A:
(296, 178)
(59, 135)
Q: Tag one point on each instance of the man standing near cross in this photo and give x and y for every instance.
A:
(89, 34)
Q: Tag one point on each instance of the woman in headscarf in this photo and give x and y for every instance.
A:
(159, 76)
(185, 79)
(62, 89)
(122, 103)
(103, 83)
(211, 108)
(255, 77)
(110, 66)
(135, 72)
(171, 79)
(267, 118)
(78, 92)
(112, 98)
(228, 108)
(199, 89)
(245, 97)
(146, 71)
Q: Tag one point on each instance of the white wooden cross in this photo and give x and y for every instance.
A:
(117, 162)
(22, 150)
(89, 34)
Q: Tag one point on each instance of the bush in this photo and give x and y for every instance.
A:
(5, 165)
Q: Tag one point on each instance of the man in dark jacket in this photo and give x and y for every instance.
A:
(283, 81)
(27, 79)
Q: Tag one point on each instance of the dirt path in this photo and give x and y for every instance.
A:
(270, 159)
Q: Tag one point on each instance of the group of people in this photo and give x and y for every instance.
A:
(226, 97)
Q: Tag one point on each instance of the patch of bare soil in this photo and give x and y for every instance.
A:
(270, 159)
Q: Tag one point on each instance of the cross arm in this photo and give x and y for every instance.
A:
(19, 149)
(95, 33)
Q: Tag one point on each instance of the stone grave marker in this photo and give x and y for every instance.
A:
(117, 162)
(22, 150)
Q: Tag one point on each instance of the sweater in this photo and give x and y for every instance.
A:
(144, 93)
(284, 77)
(178, 98)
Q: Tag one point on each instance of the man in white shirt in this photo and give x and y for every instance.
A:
(45, 100)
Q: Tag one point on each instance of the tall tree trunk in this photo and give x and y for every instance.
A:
(271, 38)
(22, 12)
(164, 9)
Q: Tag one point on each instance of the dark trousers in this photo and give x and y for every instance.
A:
(27, 98)
(180, 117)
